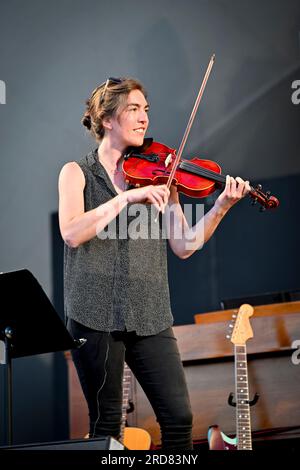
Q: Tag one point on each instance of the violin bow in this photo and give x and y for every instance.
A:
(191, 120)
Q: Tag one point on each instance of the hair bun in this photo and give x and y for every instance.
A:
(86, 121)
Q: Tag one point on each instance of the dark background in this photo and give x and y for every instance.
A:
(53, 54)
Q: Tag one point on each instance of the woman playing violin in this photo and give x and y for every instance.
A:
(116, 288)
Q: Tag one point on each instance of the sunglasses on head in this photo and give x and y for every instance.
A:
(111, 80)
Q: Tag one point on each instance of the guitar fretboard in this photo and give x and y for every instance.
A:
(127, 377)
(243, 422)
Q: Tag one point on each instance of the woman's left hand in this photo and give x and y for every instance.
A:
(235, 189)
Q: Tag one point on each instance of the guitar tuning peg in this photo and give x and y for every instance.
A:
(231, 325)
(228, 336)
(233, 316)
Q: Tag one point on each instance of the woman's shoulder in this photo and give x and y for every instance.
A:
(72, 172)
(80, 166)
(72, 168)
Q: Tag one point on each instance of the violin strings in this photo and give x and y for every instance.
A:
(193, 168)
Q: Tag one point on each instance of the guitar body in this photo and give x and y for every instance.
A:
(136, 439)
(217, 440)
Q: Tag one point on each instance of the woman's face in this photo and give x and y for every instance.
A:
(128, 128)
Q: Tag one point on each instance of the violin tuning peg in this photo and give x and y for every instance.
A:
(127, 181)
(259, 187)
(137, 185)
(268, 194)
(254, 201)
(262, 209)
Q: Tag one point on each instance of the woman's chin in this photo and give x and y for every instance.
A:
(137, 141)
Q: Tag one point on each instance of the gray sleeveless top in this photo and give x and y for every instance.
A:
(116, 283)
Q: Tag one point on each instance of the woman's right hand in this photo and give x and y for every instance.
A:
(156, 195)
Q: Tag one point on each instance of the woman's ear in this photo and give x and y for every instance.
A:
(107, 124)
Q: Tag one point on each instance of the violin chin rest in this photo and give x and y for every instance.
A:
(146, 144)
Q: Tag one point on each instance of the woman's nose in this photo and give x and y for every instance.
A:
(143, 116)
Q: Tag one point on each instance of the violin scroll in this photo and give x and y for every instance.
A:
(264, 199)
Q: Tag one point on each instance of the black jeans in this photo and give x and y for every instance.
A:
(155, 362)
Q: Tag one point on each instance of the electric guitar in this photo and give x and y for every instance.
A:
(131, 437)
(217, 440)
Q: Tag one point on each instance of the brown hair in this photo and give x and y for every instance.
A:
(105, 101)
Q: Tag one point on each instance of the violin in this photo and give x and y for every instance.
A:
(153, 163)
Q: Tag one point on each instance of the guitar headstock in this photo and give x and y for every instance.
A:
(265, 200)
(242, 330)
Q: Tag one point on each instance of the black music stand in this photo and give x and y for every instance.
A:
(29, 325)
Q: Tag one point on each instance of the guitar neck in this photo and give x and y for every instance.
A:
(243, 422)
(127, 377)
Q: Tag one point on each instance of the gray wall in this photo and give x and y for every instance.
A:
(53, 53)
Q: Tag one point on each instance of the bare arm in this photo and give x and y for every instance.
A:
(78, 226)
(193, 239)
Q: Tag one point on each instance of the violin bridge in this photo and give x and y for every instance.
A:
(168, 160)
